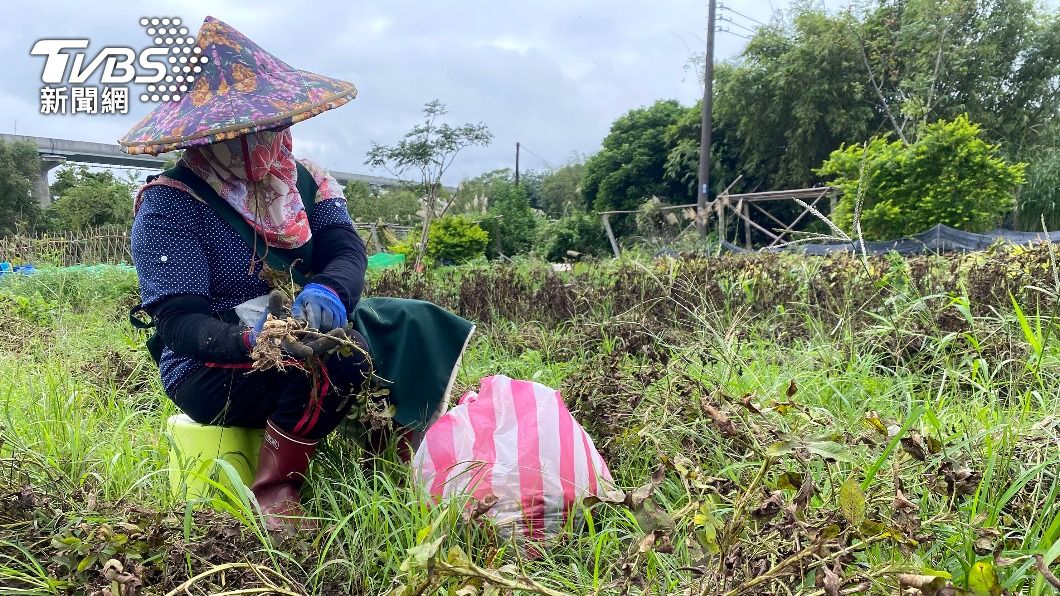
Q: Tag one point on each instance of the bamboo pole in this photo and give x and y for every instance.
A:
(746, 225)
(605, 217)
(799, 218)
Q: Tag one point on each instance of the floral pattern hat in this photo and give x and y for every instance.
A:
(241, 89)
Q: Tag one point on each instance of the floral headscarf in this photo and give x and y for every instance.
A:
(256, 174)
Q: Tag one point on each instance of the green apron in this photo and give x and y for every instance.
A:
(416, 348)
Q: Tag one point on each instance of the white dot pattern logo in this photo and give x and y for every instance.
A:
(184, 55)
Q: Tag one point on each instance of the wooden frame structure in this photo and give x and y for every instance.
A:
(373, 231)
(741, 205)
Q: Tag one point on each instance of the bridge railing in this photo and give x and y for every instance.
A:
(112, 245)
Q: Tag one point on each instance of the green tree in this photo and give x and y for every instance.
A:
(516, 223)
(558, 193)
(472, 196)
(89, 199)
(998, 61)
(1039, 199)
(19, 170)
(631, 167)
(370, 204)
(796, 94)
(814, 80)
(429, 149)
(503, 208)
(950, 175)
(682, 162)
(578, 232)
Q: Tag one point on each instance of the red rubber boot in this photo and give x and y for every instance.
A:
(282, 465)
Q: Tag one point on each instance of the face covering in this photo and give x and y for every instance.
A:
(257, 174)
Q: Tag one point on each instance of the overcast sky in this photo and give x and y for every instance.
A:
(552, 74)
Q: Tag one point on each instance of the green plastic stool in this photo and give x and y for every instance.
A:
(196, 446)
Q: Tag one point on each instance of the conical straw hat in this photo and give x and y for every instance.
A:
(241, 88)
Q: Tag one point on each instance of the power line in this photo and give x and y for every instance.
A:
(541, 159)
(731, 32)
(738, 13)
(745, 28)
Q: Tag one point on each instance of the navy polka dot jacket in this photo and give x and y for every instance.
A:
(182, 248)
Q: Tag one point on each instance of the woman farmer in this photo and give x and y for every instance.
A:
(204, 230)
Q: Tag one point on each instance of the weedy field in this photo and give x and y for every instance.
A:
(778, 424)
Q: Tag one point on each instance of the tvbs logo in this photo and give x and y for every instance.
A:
(68, 65)
(119, 64)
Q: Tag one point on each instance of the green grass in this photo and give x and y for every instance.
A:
(84, 453)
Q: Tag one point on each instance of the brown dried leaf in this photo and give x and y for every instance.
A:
(641, 493)
(131, 585)
(985, 541)
(929, 585)
(1039, 564)
(745, 401)
(724, 424)
(792, 389)
(960, 480)
(913, 444)
(646, 543)
(770, 507)
(806, 491)
(902, 504)
(482, 507)
(663, 543)
(832, 582)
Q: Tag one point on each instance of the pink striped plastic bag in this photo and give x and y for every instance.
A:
(517, 442)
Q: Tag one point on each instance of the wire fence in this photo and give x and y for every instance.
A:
(112, 245)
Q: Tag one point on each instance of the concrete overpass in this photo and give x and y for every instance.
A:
(54, 152)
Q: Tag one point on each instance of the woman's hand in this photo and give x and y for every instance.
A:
(319, 345)
(274, 308)
(320, 307)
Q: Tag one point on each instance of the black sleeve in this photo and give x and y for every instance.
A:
(340, 259)
(189, 328)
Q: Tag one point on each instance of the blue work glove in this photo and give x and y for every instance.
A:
(320, 307)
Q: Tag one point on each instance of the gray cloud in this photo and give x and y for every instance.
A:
(551, 74)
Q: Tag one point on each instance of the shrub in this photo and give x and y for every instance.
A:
(517, 224)
(950, 176)
(455, 239)
(580, 232)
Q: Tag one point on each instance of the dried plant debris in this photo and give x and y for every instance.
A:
(284, 340)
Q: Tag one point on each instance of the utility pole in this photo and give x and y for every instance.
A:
(706, 124)
(517, 163)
